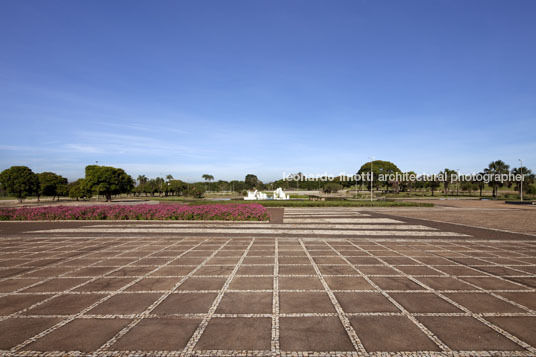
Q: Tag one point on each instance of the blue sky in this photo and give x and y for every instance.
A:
(266, 87)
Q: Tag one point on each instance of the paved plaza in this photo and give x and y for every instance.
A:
(317, 281)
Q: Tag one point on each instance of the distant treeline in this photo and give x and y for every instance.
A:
(106, 181)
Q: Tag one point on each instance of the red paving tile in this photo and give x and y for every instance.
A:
(396, 283)
(16, 331)
(195, 283)
(83, 334)
(426, 302)
(481, 303)
(523, 327)
(191, 303)
(304, 302)
(391, 334)
(467, 334)
(250, 283)
(524, 298)
(13, 303)
(319, 334)
(157, 335)
(65, 304)
(236, 334)
(245, 303)
(124, 304)
(347, 283)
(300, 283)
(242, 318)
(365, 302)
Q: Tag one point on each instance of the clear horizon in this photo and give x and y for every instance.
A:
(238, 87)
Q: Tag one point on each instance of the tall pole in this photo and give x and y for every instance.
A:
(356, 186)
(458, 183)
(371, 177)
(97, 164)
(521, 169)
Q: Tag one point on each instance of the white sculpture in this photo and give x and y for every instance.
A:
(280, 195)
(256, 195)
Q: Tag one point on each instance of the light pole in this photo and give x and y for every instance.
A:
(458, 183)
(521, 170)
(371, 176)
(97, 164)
(356, 186)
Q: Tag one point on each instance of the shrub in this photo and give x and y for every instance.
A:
(231, 212)
(332, 187)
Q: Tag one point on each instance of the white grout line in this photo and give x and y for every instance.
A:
(356, 342)
(261, 231)
(113, 293)
(196, 336)
(155, 304)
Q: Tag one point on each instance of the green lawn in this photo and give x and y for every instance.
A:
(275, 203)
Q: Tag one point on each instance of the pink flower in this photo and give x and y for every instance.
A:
(227, 212)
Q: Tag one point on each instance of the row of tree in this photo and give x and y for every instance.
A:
(21, 182)
(169, 186)
(382, 169)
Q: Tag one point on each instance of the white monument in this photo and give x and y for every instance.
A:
(280, 195)
(256, 195)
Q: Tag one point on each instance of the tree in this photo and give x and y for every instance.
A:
(159, 184)
(496, 168)
(208, 178)
(51, 184)
(237, 186)
(469, 186)
(20, 181)
(528, 178)
(332, 187)
(448, 173)
(177, 187)
(251, 181)
(142, 185)
(142, 179)
(479, 183)
(408, 183)
(433, 184)
(196, 190)
(379, 167)
(107, 181)
(77, 190)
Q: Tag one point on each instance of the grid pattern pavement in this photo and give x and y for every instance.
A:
(267, 295)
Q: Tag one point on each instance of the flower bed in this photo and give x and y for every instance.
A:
(231, 212)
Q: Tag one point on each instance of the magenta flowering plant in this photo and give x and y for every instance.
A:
(228, 212)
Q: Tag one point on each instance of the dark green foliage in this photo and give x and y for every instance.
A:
(176, 187)
(433, 184)
(332, 187)
(496, 168)
(51, 184)
(19, 181)
(107, 181)
(379, 167)
(77, 190)
(196, 190)
(529, 179)
(237, 186)
(447, 173)
(338, 203)
(251, 181)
